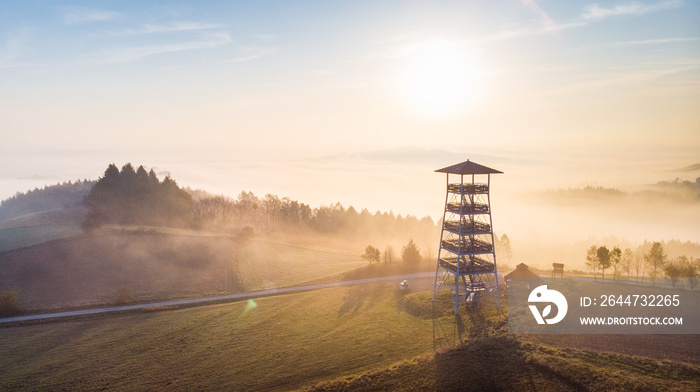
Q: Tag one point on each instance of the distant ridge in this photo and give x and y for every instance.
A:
(689, 168)
(51, 197)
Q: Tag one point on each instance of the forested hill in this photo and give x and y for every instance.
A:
(137, 197)
(51, 197)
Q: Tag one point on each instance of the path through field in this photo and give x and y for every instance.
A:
(250, 294)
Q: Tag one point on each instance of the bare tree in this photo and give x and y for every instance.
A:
(691, 272)
(592, 260)
(626, 261)
(615, 257)
(639, 265)
(389, 254)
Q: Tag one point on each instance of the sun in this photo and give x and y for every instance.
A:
(439, 80)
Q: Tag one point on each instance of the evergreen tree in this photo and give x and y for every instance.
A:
(136, 197)
(142, 180)
(410, 253)
(153, 178)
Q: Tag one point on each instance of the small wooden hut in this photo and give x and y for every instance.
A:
(527, 280)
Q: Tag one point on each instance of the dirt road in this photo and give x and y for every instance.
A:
(250, 294)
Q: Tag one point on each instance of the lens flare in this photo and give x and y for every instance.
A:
(250, 306)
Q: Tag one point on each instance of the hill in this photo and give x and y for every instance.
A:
(129, 232)
(498, 362)
(39, 227)
(51, 197)
(157, 264)
(41, 215)
(362, 337)
(136, 197)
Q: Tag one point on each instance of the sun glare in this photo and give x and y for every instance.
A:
(439, 80)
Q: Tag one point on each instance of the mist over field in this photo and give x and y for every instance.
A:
(548, 211)
(243, 195)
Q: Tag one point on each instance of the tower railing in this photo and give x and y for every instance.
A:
(467, 246)
(468, 227)
(466, 189)
(467, 264)
(467, 208)
(466, 254)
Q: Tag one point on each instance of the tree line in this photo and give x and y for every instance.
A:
(272, 214)
(410, 254)
(135, 196)
(644, 261)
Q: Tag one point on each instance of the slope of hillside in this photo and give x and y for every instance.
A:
(51, 197)
(155, 265)
(503, 363)
(353, 338)
(272, 343)
(39, 227)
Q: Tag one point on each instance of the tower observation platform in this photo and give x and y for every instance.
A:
(466, 257)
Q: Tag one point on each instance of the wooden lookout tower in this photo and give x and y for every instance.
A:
(467, 259)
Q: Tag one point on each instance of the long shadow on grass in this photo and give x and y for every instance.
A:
(488, 359)
(447, 331)
(353, 300)
(359, 295)
(495, 363)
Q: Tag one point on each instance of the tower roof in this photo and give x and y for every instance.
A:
(468, 167)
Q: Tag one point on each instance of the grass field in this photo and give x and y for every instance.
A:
(40, 227)
(474, 352)
(363, 337)
(499, 362)
(354, 338)
(282, 343)
(265, 264)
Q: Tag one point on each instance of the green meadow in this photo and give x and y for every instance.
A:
(352, 338)
(273, 343)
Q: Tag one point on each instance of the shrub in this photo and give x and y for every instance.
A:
(9, 303)
(124, 297)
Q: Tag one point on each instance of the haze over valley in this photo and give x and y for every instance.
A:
(244, 196)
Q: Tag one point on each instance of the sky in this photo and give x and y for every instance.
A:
(355, 102)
